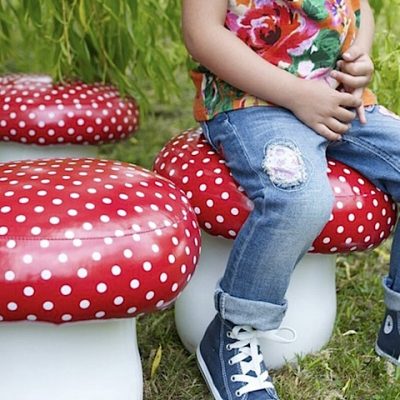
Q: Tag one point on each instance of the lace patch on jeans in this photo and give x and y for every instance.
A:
(284, 165)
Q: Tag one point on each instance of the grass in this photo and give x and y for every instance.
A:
(347, 368)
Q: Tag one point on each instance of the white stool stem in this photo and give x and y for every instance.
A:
(96, 360)
(311, 296)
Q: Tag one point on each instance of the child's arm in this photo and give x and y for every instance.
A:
(316, 104)
(356, 68)
(365, 35)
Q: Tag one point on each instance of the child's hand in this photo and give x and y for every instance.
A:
(356, 70)
(324, 109)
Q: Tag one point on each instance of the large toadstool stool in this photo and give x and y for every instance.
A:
(362, 218)
(60, 119)
(85, 246)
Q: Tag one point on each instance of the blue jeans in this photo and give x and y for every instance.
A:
(281, 164)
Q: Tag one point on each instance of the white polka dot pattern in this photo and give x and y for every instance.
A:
(362, 217)
(190, 162)
(95, 262)
(35, 110)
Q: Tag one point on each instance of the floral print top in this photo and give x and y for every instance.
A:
(303, 37)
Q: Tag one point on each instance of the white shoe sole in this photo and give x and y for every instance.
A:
(381, 353)
(206, 375)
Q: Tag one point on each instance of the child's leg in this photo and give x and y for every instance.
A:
(281, 165)
(374, 150)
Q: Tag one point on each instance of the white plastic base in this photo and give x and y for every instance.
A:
(81, 361)
(311, 296)
(11, 151)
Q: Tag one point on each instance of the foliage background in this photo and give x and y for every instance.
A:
(136, 45)
(386, 53)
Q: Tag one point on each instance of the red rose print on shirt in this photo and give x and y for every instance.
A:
(273, 31)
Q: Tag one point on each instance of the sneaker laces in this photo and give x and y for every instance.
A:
(250, 358)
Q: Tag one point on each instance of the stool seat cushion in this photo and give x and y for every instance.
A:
(362, 217)
(88, 239)
(35, 110)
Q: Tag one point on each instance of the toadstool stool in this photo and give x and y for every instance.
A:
(80, 240)
(60, 119)
(362, 218)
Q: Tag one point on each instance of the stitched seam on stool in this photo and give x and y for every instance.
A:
(35, 239)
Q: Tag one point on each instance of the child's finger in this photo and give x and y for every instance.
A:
(337, 126)
(358, 68)
(361, 114)
(327, 133)
(349, 99)
(352, 53)
(360, 110)
(351, 81)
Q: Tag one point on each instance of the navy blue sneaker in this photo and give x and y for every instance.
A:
(388, 343)
(232, 365)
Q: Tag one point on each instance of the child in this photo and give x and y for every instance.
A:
(282, 84)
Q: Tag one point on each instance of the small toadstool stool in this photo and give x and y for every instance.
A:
(362, 218)
(85, 246)
(60, 119)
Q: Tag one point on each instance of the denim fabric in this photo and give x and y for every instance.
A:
(281, 164)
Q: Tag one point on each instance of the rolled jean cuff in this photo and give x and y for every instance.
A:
(260, 315)
(392, 298)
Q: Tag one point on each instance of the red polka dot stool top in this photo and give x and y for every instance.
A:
(89, 239)
(362, 217)
(33, 109)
